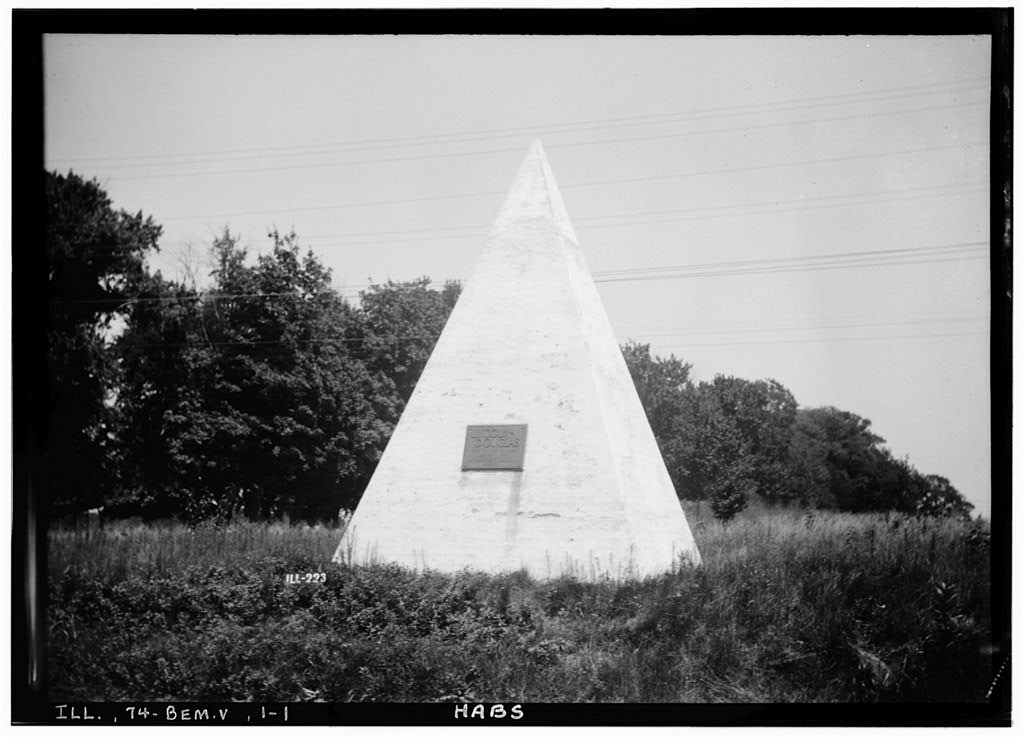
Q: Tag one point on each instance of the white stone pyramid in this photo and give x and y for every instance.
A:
(582, 489)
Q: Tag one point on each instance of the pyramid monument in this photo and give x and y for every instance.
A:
(524, 445)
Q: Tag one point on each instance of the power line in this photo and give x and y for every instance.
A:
(812, 327)
(817, 340)
(340, 206)
(842, 266)
(783, 165)
(899, 93)
(766, 206)
(287, 342)
(764, 126)
(810, 265)
(422, 336)
(570, 185)
(839, 261)
(482, 152)
(844, 260)
(785, 206)
(796, 260)
(433, 337)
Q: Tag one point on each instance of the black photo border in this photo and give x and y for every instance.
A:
(29, 311)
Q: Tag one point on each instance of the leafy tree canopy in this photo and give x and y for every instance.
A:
(403, 321)
(267, 407)
(95, 257)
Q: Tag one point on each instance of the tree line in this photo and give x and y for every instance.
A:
(731, 440)
(265, 393)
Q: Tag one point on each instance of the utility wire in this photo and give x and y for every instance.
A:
(834, 266)
(365, 352)
(482, 152)
(597, 183)
(774, 206)
(784, 165)
(627, 335)
(797, 260)
(345, 238)
(341, 206)
(818, 340)
(878, 95)
(844, 260)
(813, 327)
(715, 211)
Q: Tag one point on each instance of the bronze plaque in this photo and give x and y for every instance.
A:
(498, 447)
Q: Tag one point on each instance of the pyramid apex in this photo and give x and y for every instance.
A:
(534, 198)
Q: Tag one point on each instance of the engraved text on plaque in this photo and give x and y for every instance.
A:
(499, 447)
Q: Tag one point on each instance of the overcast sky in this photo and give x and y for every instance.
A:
(813, 210)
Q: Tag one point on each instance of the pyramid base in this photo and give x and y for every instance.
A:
(587, 562)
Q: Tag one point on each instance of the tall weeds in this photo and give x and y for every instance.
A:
(786, 607)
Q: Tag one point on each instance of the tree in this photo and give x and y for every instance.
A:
(763, 412)
(940, 498)
(666, 394)
(727, 439)
(270, 408)
(810, 476)
(838, 462)
(95, 264)
(721, 465)
(853, 455)
(161, 356)
(403, 321)
(710, 435)
(660, 383)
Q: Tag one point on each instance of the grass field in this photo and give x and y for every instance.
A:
(786, 607)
